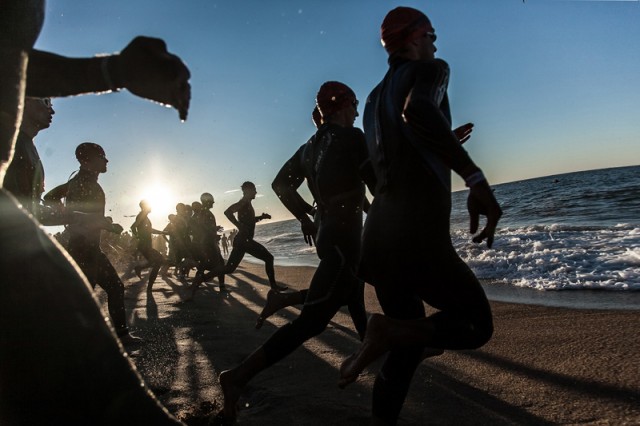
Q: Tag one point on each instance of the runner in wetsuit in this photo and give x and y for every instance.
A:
(205, 238)
(25, 175)
(142, 231)
(85, 195)
(243, 242)
(285, 185)
(184, 255)
(335, 163)
(224, 241)
(413, 150)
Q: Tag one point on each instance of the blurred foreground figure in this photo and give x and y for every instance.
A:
(61, 361)
(407, 125)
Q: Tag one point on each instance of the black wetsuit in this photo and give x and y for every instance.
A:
(335, 164)
(143, 231)
(25, 180)
(205, 238)
(179, 235)
(408, 130)
(25, 175)
(85, 195)
(244, 242)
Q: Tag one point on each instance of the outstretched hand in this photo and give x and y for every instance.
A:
(265, 216)
(481, 201)
(309, 231)
(148, 70)
(463, 133)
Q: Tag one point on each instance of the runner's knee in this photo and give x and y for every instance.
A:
(462, 331)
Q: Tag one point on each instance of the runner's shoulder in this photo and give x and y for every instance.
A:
(426, 66)
(353, 134)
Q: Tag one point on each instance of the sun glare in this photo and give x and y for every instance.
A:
(161, 200)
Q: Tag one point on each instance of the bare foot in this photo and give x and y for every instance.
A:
(279, 287)
(272, 306)
(374, 344)
(231, 393)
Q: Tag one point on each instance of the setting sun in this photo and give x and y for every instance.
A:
(160, 198)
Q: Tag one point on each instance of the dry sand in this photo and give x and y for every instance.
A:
(543, 366)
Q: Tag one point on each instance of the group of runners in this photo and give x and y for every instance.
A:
(404, 156)
(194, 241)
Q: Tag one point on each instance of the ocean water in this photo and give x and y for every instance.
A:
(574, 231)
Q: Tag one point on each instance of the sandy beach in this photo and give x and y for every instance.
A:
(543, 366)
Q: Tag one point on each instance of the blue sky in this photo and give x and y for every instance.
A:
(552, 87)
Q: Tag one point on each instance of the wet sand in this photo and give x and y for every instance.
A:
(544, 365)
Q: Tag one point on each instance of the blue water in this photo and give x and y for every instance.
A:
(574, 231)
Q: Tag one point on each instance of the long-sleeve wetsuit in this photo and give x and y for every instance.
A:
(244, 243)
(335, 163)
(85, 195)
(413, 150)
(143, 231)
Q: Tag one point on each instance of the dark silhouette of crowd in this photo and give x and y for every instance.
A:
(404, 156)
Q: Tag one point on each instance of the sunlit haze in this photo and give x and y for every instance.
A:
(552, 87)
(162, 201)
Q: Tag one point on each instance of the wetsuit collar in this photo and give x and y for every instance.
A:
(396, 60)
(87, 174)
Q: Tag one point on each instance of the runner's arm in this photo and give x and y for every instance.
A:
(286, 184)
(423, 106)
(144, 67)
(230, 213)
(423, 115)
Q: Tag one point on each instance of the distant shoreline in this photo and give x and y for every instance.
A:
(575, 299)
(623, 300)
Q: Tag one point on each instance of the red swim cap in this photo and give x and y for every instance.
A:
(401, 26)
(333, 96)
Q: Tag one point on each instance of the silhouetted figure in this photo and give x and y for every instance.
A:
(224, 241)
(25, 175)
(335, 163)
(169, 230)
(210, 258)
(85, 195)
(143, 231)
(243, 242)
(341, 233)
(413, 150)
(181, 235)
(61, 362)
